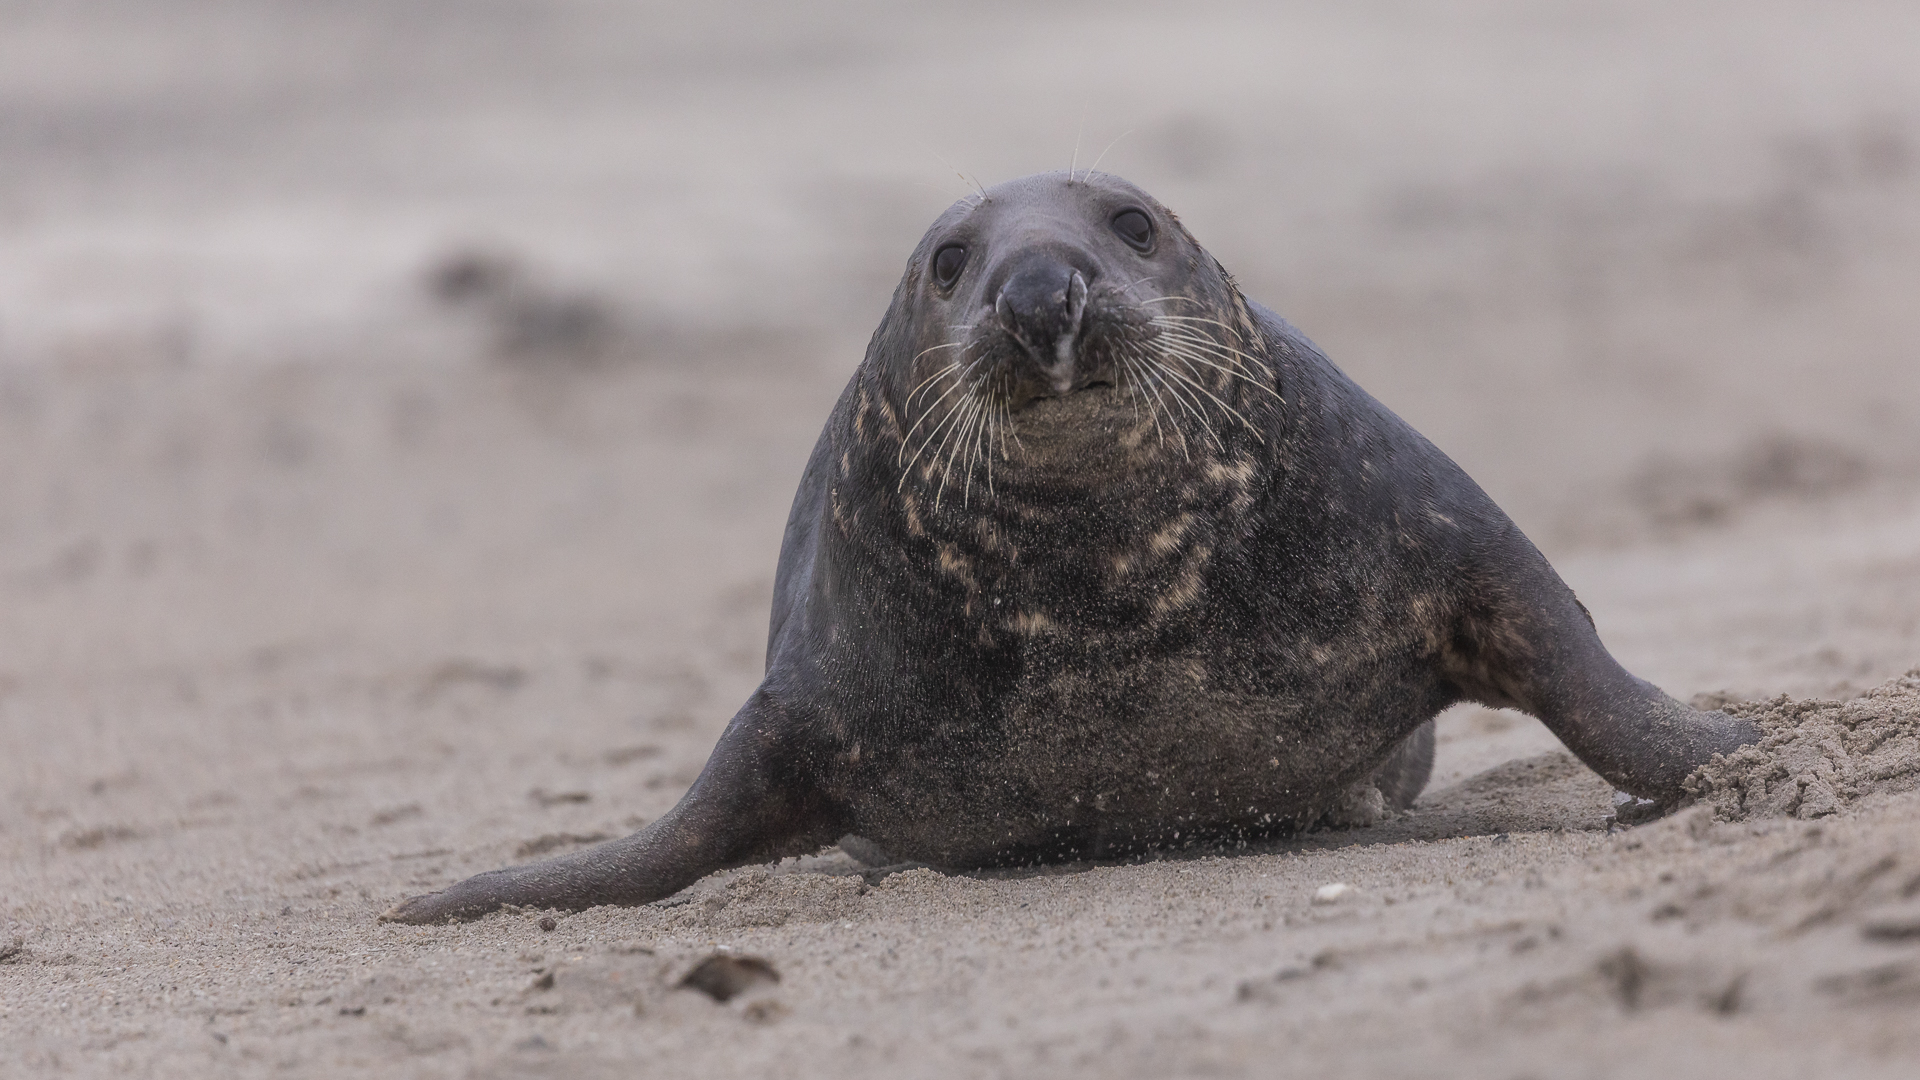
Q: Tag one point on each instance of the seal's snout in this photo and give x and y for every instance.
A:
(1041, 306)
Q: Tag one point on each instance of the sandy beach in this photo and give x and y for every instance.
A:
(399, 410)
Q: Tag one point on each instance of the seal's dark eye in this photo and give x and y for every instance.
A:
(947, 264)
(1135, 227)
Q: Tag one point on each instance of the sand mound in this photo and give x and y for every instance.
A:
(1817, 757)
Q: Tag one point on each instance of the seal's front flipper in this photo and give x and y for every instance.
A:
(749, 805)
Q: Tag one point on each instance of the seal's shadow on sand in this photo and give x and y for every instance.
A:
(1550, 792)
(1545, 793)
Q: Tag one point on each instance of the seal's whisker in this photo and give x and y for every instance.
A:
(1186, 353)
(993, 429)
(979, 450)
(1146, 365)
(1188, 391)
(1216, 361)
(1225, 357)
(959, 384)
(964, 178)
(963, 453)
(1239, 363)
(937, 348)
(1198, 319)
(926, 439)
(993, 439)
(1191, 403)
(957, 364)
(960, 454)
(955, 440)
(1193, 382)
(944, 459)
(1005, 397)
(953, 412)
(1190, 352)
(934, 463)
(1226, 352)
(1168, 321)
(1137, 382)
(1133, 391)
(1157, 363)
(1187, 333)
(1103, 153)
(1128, 287)
(951, 446)
(1163, 413)
(930, 383)
(1181, 323)
(1231, 354)
(929, 380)
(1130, 379)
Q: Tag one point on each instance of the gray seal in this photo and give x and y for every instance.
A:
(1094, 558)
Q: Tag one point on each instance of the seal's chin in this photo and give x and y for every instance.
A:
(1073, 429)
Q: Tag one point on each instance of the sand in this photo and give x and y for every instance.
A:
(398, 414)
(1816, 758)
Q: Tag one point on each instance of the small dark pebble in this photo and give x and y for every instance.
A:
(544, 982)
(547, 923)
(357, 1010)
(1730, 1000)
(723, 977)
(1629, 975)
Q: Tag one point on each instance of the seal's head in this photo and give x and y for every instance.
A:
(1057, 316)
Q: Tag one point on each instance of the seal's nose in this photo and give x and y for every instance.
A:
(1041, 305)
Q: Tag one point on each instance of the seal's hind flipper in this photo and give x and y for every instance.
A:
(1406, 771)
(747, 806)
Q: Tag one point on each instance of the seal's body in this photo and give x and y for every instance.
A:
(1096, 557)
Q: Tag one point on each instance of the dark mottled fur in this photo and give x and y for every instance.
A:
(1115, 622)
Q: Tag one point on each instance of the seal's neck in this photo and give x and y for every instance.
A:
(1114, 544)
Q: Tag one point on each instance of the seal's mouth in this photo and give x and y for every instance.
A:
(1043, 397)
(1092, 402)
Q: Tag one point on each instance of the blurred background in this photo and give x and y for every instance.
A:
(400, 402)
(422, 327)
